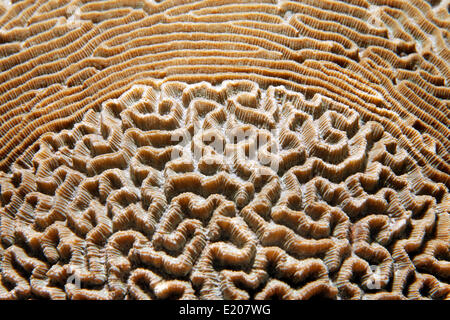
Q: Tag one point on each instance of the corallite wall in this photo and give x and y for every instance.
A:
(225, 149)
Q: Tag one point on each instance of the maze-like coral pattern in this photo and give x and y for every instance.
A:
(224, 149)
(128, 206)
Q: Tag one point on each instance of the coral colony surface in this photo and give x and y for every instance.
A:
(225, 149)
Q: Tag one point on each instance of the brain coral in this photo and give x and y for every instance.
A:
(224, 149)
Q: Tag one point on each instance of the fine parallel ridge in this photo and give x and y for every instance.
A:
(224, 149)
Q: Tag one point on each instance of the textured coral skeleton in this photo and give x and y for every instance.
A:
(225, 149)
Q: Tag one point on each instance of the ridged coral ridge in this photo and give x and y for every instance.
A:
(225, 149)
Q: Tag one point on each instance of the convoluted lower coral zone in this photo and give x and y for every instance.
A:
(224, 149)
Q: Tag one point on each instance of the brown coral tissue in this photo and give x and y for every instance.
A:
(224, 149)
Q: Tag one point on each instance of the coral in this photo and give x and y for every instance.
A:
(224, 150)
